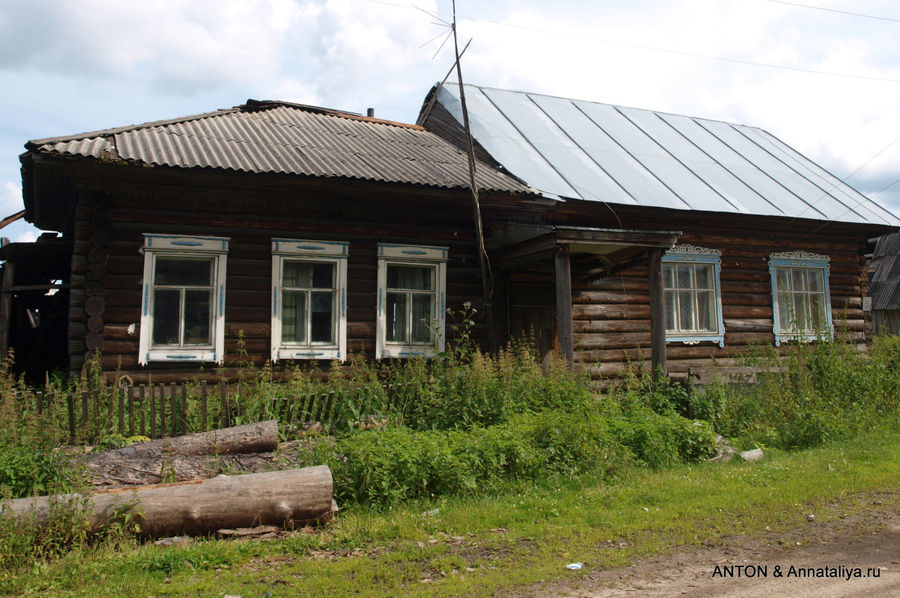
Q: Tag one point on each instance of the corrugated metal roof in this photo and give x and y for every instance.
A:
(278, 137)
(600, 152)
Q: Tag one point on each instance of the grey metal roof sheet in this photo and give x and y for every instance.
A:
(277, 137)
(600, 152)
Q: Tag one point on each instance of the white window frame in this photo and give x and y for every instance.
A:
(691, 254)
(301, 250)
(156, 246)
(411, 255)
(800, 260)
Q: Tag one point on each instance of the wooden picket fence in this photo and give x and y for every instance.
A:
(170, 409)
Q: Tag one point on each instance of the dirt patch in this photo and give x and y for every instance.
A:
(856, 556)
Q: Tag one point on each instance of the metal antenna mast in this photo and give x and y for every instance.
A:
(486, 275)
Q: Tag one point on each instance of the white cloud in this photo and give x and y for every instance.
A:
(10, 199)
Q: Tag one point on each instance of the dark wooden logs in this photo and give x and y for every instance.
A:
(284, 498)
(564, 304)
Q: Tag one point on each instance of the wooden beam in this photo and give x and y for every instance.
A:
(657, 314)
(564, 305)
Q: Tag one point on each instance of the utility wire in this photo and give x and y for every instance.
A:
(837, 11)
(570, 35)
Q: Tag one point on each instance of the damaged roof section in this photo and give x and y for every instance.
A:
(284, 138)
(884, 286)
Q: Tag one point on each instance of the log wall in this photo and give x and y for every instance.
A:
(612, 315)
(108, 265)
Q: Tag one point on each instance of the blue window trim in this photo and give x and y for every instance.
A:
(799, 259)
(689, 254)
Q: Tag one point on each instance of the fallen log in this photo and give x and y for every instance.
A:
(259, 437)
(289, 499)
(142, 471)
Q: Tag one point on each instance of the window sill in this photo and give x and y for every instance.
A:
(329, 353)
(786, 337)
(407, 351)
(689, 339)
(176, 355)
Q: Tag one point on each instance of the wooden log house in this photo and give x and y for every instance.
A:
(754, 243)
(303, 235)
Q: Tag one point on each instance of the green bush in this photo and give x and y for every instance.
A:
(381, 467)
(827, 391)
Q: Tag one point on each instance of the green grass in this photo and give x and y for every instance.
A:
(478, 546)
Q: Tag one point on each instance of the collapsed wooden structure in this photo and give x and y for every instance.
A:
(282, 232)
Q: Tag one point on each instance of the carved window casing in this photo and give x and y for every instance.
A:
(183, 306)
(801, 301)
(692, 295)
(309, 299)
(412, 282)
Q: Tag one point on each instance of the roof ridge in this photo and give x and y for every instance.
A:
(557, 97)
(34, 143)
(249, 106)
(259, 105)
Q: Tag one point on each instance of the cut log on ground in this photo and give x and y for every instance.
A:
(289, 499)
(141, 471)
(250, 438)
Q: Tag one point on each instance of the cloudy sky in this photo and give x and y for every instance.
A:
(823, 75)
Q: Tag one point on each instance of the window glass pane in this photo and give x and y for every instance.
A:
(671, 309)
(166, 316)
(686, 317)
(323, 276)
(705, 310)
(816, 280)
(798, 278)
(293, 317)
(197, 317)
(785, 312)
(420, 278)
(684, 277)
(669, 276)
(184, 272)
(397, 318)
(704, 276)
(801, 305)
(297, 274)
(782, 279)
(422, 318)
(817, 313)
(322, 317)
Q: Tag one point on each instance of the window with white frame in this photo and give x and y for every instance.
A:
(309, 299)
(183, 307)
(692, 295)
(801, 302)
(411, 300)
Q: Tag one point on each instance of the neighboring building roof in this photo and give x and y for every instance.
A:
(885, 284)
(599, 152)
(279, 137)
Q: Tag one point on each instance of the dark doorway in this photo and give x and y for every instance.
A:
(532, 313)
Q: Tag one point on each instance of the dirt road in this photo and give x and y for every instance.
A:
(855, 557)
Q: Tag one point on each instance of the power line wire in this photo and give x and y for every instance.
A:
(699, 55)
(837, 11)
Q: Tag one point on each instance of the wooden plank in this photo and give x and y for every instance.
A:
(203, 405)
(173, 401)
(5, 304)
(131, 411)
(121, 396)
(657, 314)
(85, 418)
(70, 399)
(565, 337)
(152, 398)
